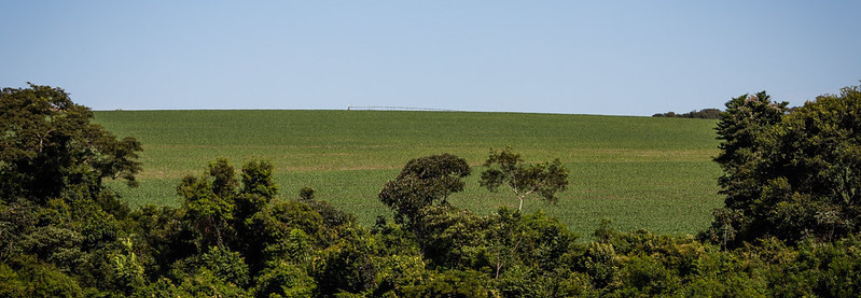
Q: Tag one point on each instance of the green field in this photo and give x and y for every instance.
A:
(640, 172)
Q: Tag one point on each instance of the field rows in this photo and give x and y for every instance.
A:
(653, 173)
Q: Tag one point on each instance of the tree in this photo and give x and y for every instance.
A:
(816, 158)
(52, 165)
(258, 189)
(743, 129)
(210, 213)
(48, 146)
(791, 175)
(422, 182)
(217, 208)
(507, 168)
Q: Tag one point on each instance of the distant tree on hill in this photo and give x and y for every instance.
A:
(701, 114)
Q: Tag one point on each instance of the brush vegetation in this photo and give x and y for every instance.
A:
(788, 227)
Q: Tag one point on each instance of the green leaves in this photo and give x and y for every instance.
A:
(257, 179)
(422, 182)
(48, 145)
(127, 269)
(791, 175)
(506, 168)
(202, 201)
(215, 206)
(227, 265)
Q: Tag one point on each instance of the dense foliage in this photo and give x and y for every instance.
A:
(234, 237)
(791, 175)
(49, 147)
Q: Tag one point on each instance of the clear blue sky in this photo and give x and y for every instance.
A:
(577, 57)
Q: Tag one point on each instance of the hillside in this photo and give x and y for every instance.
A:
(640, 172)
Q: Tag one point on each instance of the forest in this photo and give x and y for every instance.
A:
(789, 225)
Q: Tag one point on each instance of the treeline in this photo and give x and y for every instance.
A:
(701, 114)
(63, 234)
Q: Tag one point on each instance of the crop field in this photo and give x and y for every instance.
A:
(639, 172)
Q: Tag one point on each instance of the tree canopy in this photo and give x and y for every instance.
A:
(790, 175)
(422, 182)
(233, 235)
(49, 146)
(507, 168)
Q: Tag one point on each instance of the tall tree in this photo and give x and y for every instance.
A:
(507, 168)
(53, 204)
(790, 175)
(743, 129)
(49, 146)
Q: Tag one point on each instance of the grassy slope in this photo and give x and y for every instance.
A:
(641, 172)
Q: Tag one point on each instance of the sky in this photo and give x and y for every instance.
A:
(570, 57)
